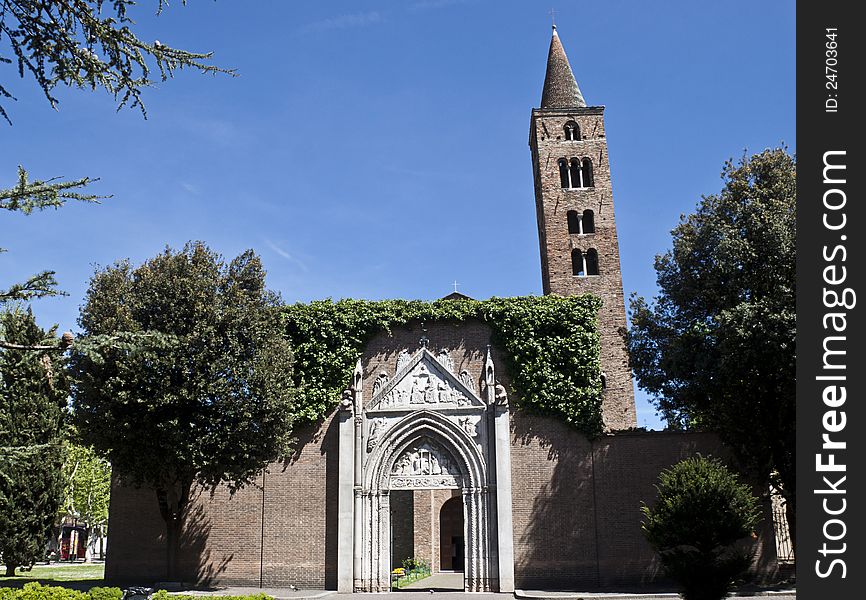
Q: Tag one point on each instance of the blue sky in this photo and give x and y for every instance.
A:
(379, 149)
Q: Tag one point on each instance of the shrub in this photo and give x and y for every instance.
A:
(416, 565)
(36, 591)
(702, 510)
(105, 593)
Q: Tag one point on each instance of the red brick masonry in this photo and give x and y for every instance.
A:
(575, 506)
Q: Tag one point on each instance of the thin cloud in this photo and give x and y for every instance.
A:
(192, 189)
(217, 131)
(345, 21)
(435, 4)
(286, 255)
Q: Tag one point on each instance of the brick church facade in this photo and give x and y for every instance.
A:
(427, 456)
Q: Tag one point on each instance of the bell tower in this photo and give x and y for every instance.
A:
(576, 225)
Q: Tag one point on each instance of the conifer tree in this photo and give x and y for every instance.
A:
(33, 394)
(84, 44)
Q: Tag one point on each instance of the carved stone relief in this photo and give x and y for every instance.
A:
(425, 465)
(422, 388)
(445, 360)
(423, 483)
(466, 379)
(377, 428)
(468, 425)
(402, 359)
(347, 399)
(501, 395)
(380, 382)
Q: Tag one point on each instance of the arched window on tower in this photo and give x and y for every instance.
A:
(586, 171)
(572, 131)
(577, 268)
(592, 262)
(563, 173)
(575, 174)
(573, 221)
(587, 222)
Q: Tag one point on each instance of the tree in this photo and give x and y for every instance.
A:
(215, 406)
(716, 348)
(26, 197)
(701, 511)
(33, 394)
(82, 44)
(87, 44)
(87, 480)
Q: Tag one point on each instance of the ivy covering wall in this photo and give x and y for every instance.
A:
(551, 344)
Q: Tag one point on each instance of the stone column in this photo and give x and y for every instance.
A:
(357, 476)
(505, 532)
(469, 564)
(345, 500)
(357, 488)
(384, 566)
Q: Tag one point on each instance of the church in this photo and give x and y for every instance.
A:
(429, 452)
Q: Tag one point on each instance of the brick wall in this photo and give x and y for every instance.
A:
(300, 537)
(553, 506)
(576, 504)
(403, 526)
(415, 522)
(226, 541)
(136, 536)
(575, 501)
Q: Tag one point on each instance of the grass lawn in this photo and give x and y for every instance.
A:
(412, 577)
(78, 575)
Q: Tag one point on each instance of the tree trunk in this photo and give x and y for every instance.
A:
(10, 570)
(172, 548)
(173, 500)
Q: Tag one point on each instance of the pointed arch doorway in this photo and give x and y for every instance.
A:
(425, 451)
(425, 429)
(452, 536)
(427, 527)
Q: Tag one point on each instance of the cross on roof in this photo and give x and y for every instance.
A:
(552, 14)
(455, 284)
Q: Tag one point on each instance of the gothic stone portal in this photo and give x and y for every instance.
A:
(425, 428)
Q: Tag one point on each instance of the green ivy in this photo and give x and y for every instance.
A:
(551, 344)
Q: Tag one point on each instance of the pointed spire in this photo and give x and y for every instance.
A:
(560, 87)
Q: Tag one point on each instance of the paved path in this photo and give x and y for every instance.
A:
(439, 582)
(419, 591)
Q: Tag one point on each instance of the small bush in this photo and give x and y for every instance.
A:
(415, 564)
(36, 591)
(413, 569)
(702, 510)
(105, 593)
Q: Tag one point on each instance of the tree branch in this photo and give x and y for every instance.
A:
(56, 42)
(28, 196)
